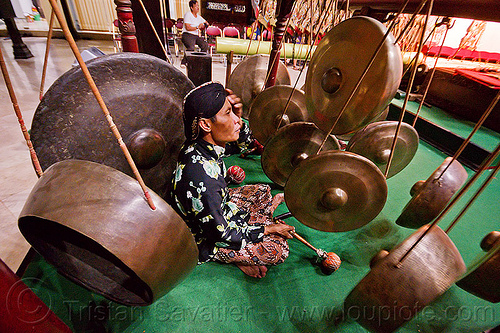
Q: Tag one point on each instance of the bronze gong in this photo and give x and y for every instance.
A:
(266, 111)
(291, 145)
(336, 66)
(375, 142)
(336, 191)
(92, 222)
(483, 276)
(144, 96)
(431, 196)
(249, 77)
(391, 294)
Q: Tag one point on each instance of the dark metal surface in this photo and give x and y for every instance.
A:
(375, 142)
(483, 276)
(390, 295)
(291, 145)
(94, 225)
(336, 191)
(430, 197)
(267, 109)
(140, 91)
(336, 66)
(249, 77)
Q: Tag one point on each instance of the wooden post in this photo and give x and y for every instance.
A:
(126, 26)
(228, 66)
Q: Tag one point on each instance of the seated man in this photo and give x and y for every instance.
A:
(193, 23)
(229, 225)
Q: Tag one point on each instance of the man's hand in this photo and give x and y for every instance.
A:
(235, 103)
(281, 229)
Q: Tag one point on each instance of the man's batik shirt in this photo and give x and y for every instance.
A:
(200, 196)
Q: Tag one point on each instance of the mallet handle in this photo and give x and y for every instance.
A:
(296, 235)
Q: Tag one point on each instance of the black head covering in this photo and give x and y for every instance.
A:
(204, 101)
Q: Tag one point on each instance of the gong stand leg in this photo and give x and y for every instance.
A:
(408, 89)
(154, 30)
(100, 100)
(445, 21)
(13, 98)
(462, 191)
(370, 63)
(282, 20)
(47, 48)
(474, 130)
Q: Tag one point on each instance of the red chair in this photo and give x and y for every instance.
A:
(212, 32)
(231, 31)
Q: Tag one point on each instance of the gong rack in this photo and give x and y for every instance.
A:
(330, 206)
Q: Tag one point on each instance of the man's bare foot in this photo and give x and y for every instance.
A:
(254, 271)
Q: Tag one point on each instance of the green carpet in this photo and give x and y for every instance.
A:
(294, 296)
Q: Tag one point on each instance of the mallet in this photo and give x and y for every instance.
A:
(329, 260)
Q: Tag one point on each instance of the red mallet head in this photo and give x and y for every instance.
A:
(331, 263)
(236, 174)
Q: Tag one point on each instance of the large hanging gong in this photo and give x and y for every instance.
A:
(375, 142)
(249, 77)
(431, 196)
(393, 292)
(93, 223)
(144, 96)
(267, 111)
(483, 276)
(291, 145)
(336, 66)
(336, 191)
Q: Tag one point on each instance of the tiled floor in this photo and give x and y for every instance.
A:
(17, 175)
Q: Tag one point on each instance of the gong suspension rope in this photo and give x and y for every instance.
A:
(429, 36)
(10, 88)
(163, 17)
(100, 100)
(370, 63)
(474, 130)
(154, 30)
(47, 48)
(446, 22)
(464, 189)
(302, 69)
(408, 89)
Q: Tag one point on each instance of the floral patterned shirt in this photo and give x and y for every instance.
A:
(200, 196)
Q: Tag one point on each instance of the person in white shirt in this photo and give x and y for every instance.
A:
(193, 23)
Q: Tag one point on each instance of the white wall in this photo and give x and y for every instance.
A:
(21, 7)
(490, 40)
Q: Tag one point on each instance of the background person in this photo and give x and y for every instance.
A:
(193, 23)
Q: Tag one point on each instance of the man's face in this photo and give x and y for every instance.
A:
(226, 128)
(196, 8)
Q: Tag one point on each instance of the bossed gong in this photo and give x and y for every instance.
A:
(93, 223)
(291, 145)
(375, 142)
(266, 110)
(391, 294)
(248, 78)
(336, 191)
(483, 276)
(431, 196)
(336, 66)
(144, 96)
